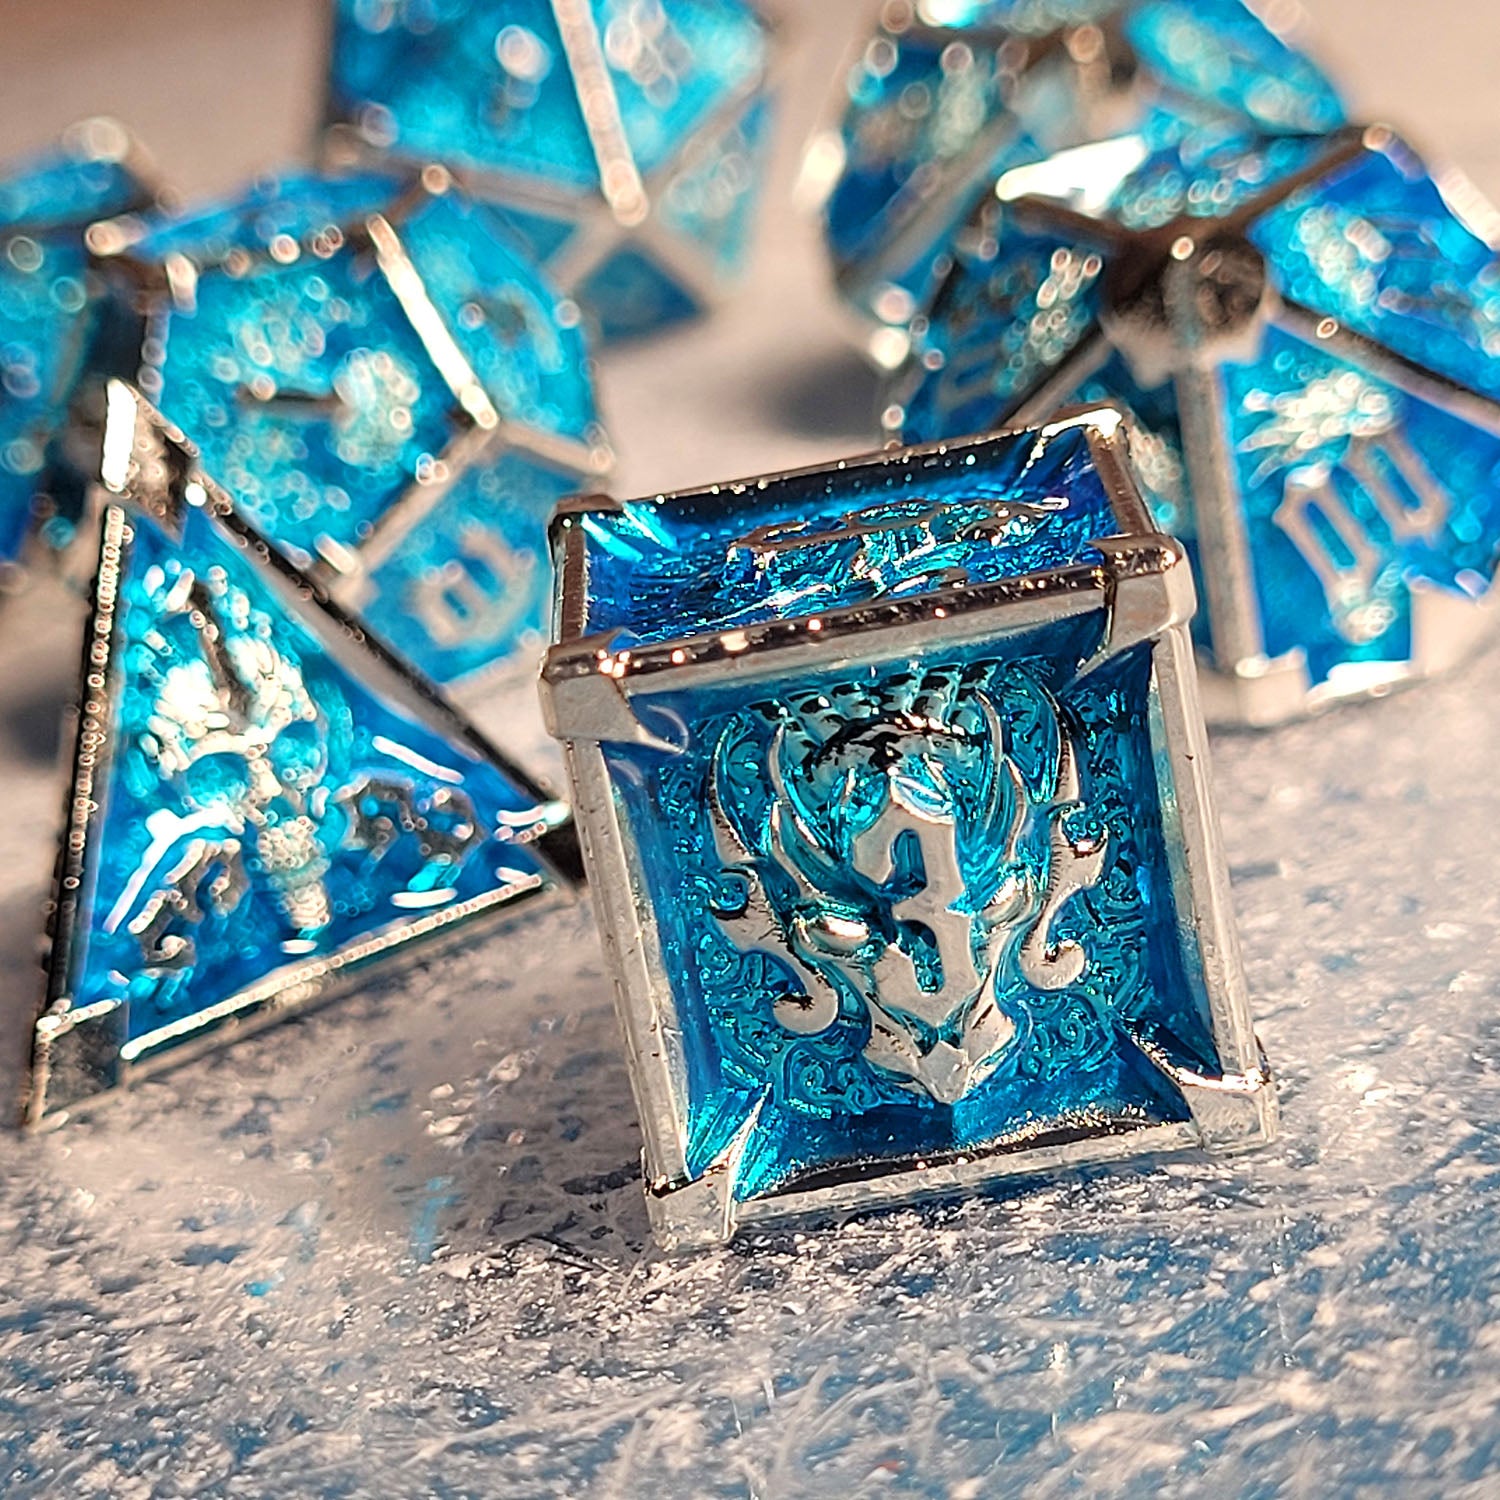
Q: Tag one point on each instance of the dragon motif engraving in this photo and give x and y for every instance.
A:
(903, 864)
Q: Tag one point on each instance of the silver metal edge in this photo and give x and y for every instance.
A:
(1451, 396)
(294, 992)
(1239, 1109)
(1224, 542)
(1232, 1112)
(88, 766)
(975, 1170)
(643, 994)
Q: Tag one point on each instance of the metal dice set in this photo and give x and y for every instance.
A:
(305, 442)
(890, 777)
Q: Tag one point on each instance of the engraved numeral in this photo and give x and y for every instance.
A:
(460, 604)
(1347, 580)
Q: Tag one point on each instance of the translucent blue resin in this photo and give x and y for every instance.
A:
(828, 854)
(46, 314)
(662, 571)
(1357, 494)
(936, 114)
(491, 90)
(321, 401)
(260, 807)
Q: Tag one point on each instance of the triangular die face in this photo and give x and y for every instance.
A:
(673, 69)
(316, 458)
(264, 807)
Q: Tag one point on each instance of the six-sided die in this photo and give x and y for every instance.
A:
(893, 793)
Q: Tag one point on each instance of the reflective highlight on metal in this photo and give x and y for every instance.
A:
(387, 387)
(46, 316)
(262, 799)
(944, 98)
(892, 788)
(622, 140)
(1305, 331)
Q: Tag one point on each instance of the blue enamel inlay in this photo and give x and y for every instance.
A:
(1000, 328)
(1224, 53)
(302, 205)
(261, 807)
(493, 90)
(934, 118)
(1068, 1058)
(472, 572)
(310, 395)
(1379, 246)
(747, 554)
(46, 203)
(320, 385)
(1382, 490)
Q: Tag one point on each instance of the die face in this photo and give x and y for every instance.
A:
(939, 111)
(470, 572)
(266, 801)
(371, 365)
(46, 203)
(1361, 501)
(1392, 252)
(1339, 431)
(316, 398)
(893, 833)
(43, 302)
(890, 943)
(828, 540)
(676, 123)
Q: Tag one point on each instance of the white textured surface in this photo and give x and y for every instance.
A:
(398, 1248)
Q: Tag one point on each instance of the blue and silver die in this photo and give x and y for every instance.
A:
(893, 793)
(946, 95)
(385, 384)
(263, 801)
(1306, 331)
(624, 141)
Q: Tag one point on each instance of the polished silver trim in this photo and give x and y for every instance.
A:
(483, 433)
(623, 211)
